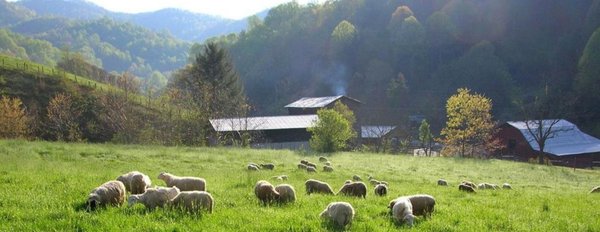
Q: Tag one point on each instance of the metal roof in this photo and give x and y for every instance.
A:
(263, 123)
(374, 132)
(568, 139)
(316, 102)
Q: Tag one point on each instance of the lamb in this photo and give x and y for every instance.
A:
(286, 193)
(109, 193)
(135, 182)
(356, 178)
(487, 186)
(302, 166)
(252, 168)
(506, 186)
(268, 166)
(265, 192)
(194, 201)
(356, 189)
(327, 169)
(466, 188)
(311, 169)
(442, 182)
(183, 183)
(341, 213)
(380, 190)
(322, 159)
(154, 197)
(403, 211)
(595, 190)
(315, 186)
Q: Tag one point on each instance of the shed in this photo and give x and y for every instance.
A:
(273, 129)
(310, 105)
(568, 147)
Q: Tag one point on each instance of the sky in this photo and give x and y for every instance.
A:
(233, 9)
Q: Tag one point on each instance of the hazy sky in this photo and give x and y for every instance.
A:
(235, 9)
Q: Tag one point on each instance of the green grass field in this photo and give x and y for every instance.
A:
(44, 186)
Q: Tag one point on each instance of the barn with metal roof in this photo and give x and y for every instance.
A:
(310, 105)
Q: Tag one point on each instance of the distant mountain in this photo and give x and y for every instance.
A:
(12, 13)
(182, 24)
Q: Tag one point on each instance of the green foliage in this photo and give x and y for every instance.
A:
(469, 128)
(14, 121)
(343, 34)
(331, 132)
(71, 171)
(27, 48)
(425, 135)
(587, 82)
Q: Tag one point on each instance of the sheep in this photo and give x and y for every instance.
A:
(356, 178)
(442, 182)
(309, 164)
(109, 193)
(380, 190)
(347, 182)
(327, 169)
(595, 190)
(268, 166)
(265, 192)
(487, 186)
(286, 193)
(254, 164)
(506, 186)
(466, 188)
(356, 189)
(183, 183)
(422, 204)
(315, 186)
(327, 163)
(253, 168)
(469, 183)
(280, 178)
(341, 213)
(135, 182)
(374, 182)
(384, 183)
(304, 162)
(302, 166)
(403, 211)
(194, 201)
(154, 197)
(322, 159)
(311, 169)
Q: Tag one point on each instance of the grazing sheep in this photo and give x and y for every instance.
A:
(109, 193)
(374, 182)
(422, 204)
(327, 169)
(384, 183)
(315, 186)
(341, 213)
(466, 188)
(309, 164)
(304, 162)
(469, 183)
(286, 193)
(442, 182)
(356, 178)
(311, 169)
(355, 189)
(135, 182)
(253, 168)
(322, 159)
(328, 163)
(280, 178)
(506, 186)
(302, 166)
(402, 211)
(380, 190)
(154, 197)
(194, 201)
(268, 166)
(487, 186)
(347, 182)
(284, 177)
(265, 192)
(254, 164)
(595, 190)
(183, 183)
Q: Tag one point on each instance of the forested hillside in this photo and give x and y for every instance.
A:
(406, 57)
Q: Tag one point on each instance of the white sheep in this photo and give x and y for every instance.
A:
(302, 166)
(322, 159)
(442, 182)
(311, 169)
(315, 186)
(328, 163)
(286, 193)
(487, 186)
(341, 213)
(253, 168)
(194, 201)
(422, 204)
(268, 166)
(327, 169)
(183, 183)
(109, 193)
(506, 186)
(595, 190)
(265, 192)
(356, 178)
(135, 182)
(355, 189)
(154, 197)
(402, 211)
(381, 190)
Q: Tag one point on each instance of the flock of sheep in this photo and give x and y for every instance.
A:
(189, 193)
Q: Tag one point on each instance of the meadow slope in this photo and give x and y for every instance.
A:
(44, 185)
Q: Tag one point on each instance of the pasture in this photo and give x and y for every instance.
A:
(44, 186)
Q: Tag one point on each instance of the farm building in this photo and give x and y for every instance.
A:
(310, 105)
(568, 146)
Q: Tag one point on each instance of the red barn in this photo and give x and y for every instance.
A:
(568, 147)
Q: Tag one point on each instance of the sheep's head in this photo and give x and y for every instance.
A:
(409, 219)
(132, 200)
(162, 175)
(93, 202)
(173, 192)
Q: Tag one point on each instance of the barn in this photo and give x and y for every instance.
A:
(310, 105)
(568, 146)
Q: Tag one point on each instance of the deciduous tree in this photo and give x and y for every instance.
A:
(13, 118)
(62, 118)
(331, 132)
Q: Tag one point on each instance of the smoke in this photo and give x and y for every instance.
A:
(334, 76)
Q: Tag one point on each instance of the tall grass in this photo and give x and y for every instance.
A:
(44, 185)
